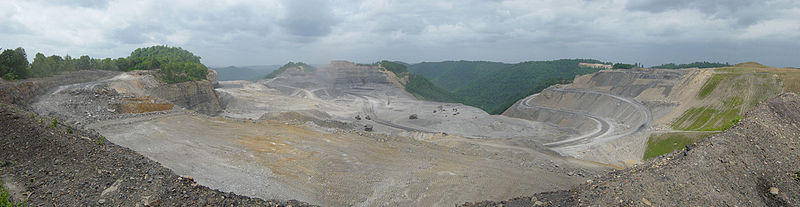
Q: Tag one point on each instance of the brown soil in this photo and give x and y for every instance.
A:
(143, 105)
(755, 163)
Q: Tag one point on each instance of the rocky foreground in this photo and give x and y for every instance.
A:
(47, 164)
(755, 163)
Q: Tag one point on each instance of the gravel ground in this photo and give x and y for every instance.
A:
(755, 163)
(47, 166)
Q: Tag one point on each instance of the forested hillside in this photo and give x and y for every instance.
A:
(176, 64)
(418, 85)
(494, 86)
(452, 75)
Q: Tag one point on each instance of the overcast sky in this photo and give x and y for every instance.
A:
(258, 32)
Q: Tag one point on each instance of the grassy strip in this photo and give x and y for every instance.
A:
(665, 143)
(707, 119)
(709, 86)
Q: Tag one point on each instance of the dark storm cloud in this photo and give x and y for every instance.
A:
(309, 18)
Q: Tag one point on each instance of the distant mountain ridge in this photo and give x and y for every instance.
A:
(251, 73)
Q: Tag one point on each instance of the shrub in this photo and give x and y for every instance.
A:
(100, 141)
(69, 130)
(5, 199)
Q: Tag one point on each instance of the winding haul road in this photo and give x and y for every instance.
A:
(604, 130)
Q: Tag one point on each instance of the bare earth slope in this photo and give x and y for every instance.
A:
(46, 165)
(755, 163)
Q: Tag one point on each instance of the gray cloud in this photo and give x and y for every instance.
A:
(95, 4)
(139, 33)
(308, 18)
(250, 32)
(744, 12)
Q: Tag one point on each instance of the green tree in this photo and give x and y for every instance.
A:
(40, 66)
(176, 72)
(83, 63)
(623, 66)
(68, 64)
(14, 64)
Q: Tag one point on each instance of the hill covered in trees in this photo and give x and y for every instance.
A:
(704, 64)
(418, 85)
(175, 64)
(494, 86)
(452, 75)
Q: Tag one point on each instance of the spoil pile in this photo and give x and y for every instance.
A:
(755, 163)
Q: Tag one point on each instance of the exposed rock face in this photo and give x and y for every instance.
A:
(212, 77)
(195, 95)
(612, 112)
(334, 80)
(349, 75)
(755, 163)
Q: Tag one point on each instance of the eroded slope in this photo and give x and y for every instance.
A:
(755, 163)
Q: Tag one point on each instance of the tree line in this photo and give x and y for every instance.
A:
(175, 64)
(704, 64)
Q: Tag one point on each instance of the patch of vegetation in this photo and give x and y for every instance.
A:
(177, 72)
(733, 102)
(498, 90)
(14, 63)
(665, 143)
(494, 86)
(100, 141)
(704, 64)
(398, 68)
(418, 85)
(55, 123)
(710, 85)
(424, 89)
(302, 66)
(453, 75)
(707, 119)
(154, 57)
(622, 66)
(69, 130)
(5, 197)
(797, 175)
